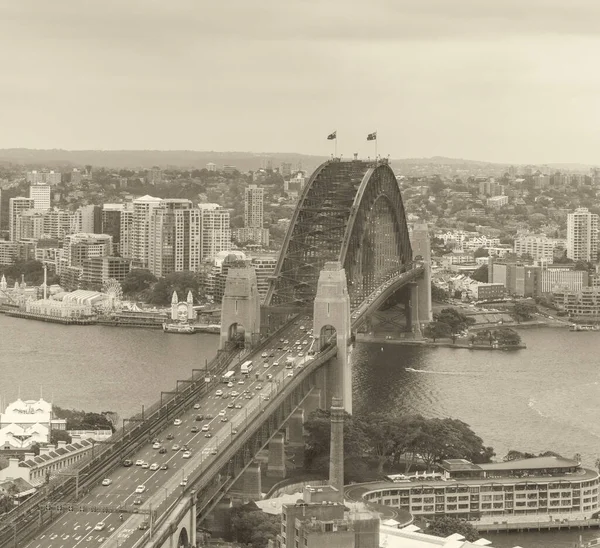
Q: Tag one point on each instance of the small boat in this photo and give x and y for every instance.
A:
(584, 327)
(182, 328)
(410, 369)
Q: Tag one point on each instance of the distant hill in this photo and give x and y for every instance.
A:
(191, 159)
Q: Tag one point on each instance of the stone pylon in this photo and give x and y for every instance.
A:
(332, 312)
(421, 248)
(240, 306)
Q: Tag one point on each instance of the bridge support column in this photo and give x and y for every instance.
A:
(249, 486)
(419, 239)
(313, 401)
(332, 312)
(413, 311)
(240, 308)
(295, 429)
(276, 466)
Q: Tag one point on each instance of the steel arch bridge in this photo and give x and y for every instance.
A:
(352, 212)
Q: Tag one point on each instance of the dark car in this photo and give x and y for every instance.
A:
(162, 450)
(208, 417)
(127, 463)
(199, 417)
(170, 436)
(164, 466)
(195, 430)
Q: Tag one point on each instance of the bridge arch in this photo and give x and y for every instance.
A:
(236, 332)
(350, 212)
(327, 336)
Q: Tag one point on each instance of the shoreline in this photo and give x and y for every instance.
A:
(429, 343)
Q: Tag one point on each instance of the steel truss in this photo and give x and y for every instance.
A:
(351, 212)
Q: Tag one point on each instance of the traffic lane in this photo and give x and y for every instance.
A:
(128, 478)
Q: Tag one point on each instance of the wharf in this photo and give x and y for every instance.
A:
(529, 526)
(361, 337)
(92, 320)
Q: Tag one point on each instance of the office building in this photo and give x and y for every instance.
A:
(582, 235)
(254, 207)
(87, 219)
(519, 279)
(40, 194)
(111, 224)
(258, 236)
(142, 213)
(9, 251)
(96, 270)
(562, 277)
(215, 231)
(294, 186)
(15, 207)
(490, 188)
(44, 177)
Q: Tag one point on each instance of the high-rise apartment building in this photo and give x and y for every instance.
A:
(111, 224)
(126, 232)
(582, 235)
(30, 224)
(15, 207)
(78, 247)
(87, 219)
(540, 248)
(44, 177)
(142, 213)
(76, 176)
(215, 231)
(254, 207)
(40, 194)
(154, 176)
(57, 223)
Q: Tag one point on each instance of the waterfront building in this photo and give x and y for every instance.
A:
(455, 258)
(40, 194)
(532, 489)
(25, 422)
(51, 460)
(582, 235)
(215, 231)
(557, 277)
(538, 247)
(142, 213)
(584, 303)
(16, 206)
(97, 270)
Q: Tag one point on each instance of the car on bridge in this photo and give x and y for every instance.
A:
(177, 422)
(138, 501)
(196, 406)
(224, 419)
(183, 482)
(222, 412)
(230, 405)
(208, 435)
(205, 428)
(170, 436)
(164, 466)
(106, 482)
(100, 526)
(146, 465)
(194, 430)
(162, 450)
(139, 462)
(199, 418)
(219, 393)
(176, 447)
(140, 489)
(238, 406)
(187, 455)
(154, 467)
(156, 445)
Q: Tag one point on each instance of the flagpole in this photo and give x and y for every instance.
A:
(335, 144)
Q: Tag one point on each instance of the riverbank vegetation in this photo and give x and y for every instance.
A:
(83, 420)
(378, 442)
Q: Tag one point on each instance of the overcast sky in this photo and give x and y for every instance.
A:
(498, 80)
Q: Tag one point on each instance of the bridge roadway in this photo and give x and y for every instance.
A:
(162, 487)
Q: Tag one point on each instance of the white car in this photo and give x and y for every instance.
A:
(196, 406)
(187, 455)
(300, 354)
(266, 365)
(183, 482)
(100, 526)
(154, 467)
(177, 422)
(229, 385)
(275, 364)
(106, 482)
(156, 445)
(219, 393)
(205, 428)
(139, 462)
(241, 381)
(290, 374)
(234, 394)
(145, 465)
(222, 413)
(140, 489)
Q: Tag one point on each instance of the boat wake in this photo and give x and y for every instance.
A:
(460, 373)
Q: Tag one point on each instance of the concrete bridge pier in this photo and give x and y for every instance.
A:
(249, 485)
(276, 465)
(313, 401)
(295, 429)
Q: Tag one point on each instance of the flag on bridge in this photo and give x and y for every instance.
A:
(332, 136)
(372, 136)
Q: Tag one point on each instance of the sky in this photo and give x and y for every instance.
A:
(512, 81)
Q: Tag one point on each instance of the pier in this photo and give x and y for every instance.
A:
(89, 320)
(540, 525)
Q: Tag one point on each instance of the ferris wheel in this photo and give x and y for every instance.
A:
(114, 292)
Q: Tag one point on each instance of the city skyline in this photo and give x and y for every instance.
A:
(505, 83)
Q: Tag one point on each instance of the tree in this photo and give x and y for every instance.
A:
(481, 252)
(438, 294)
(381, 433)
(481, 274)
(60, 435)
(254, 526)
(456, 320)
(437, 330)
(523, 311)
(506, 336)
(182, 282)
(445, 526)
(138, 279)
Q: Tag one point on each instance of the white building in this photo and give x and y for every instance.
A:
(211, 167)
(25, 422)
(15, 207)
(142, 213)
(30, 224)
(215, 231)
(540, 248)
(40, 194)
(497, 201)
(126, 230)
(582, 235)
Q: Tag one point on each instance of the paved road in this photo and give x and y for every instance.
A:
(162, 487)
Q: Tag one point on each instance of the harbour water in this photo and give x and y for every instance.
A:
(544, 398)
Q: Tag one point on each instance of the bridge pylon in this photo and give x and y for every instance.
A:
(332, 312)
(240, 308)
(421, 248)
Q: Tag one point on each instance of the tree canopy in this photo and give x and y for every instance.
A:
(455, 319)
(182, 282)
(445, 526)
(523, 311)
(138, 279)
(437, 330)
(83, 420)
(253, 526)
(481, 274)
